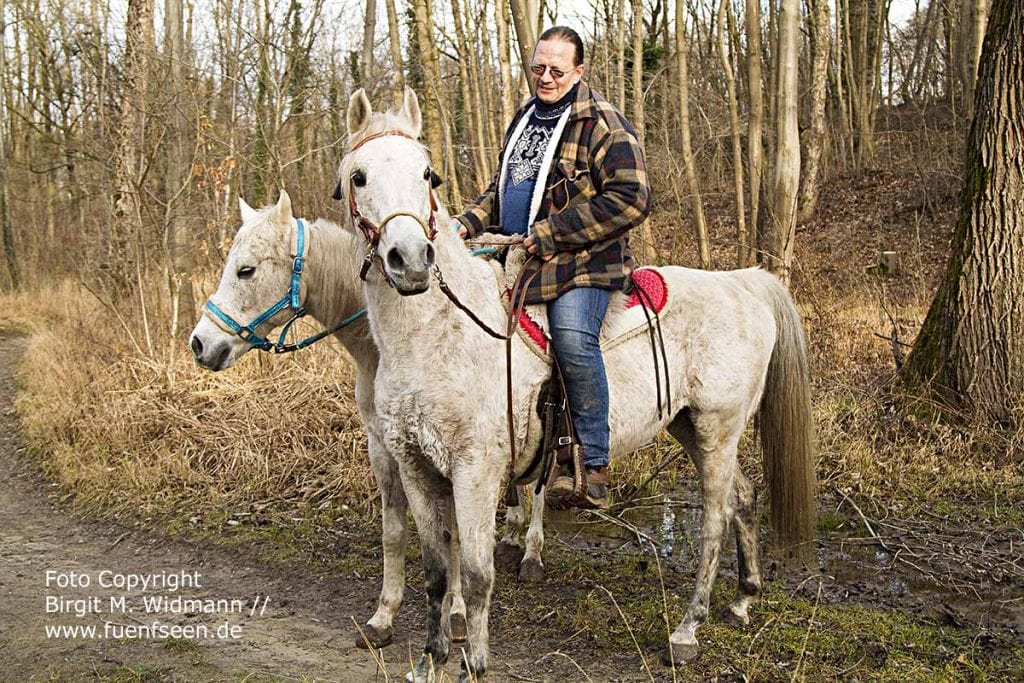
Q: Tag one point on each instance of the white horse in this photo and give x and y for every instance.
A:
(736, 347)
(259, 278)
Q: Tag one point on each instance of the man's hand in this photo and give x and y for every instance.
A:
(457, 225)
(531, 248)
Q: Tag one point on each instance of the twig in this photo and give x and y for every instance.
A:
(630, 630)
(807, 635)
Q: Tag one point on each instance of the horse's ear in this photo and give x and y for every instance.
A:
(284, 206)
(411, 111)
(359, 111)
(248, 213)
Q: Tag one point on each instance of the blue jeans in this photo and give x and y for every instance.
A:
(575, 319)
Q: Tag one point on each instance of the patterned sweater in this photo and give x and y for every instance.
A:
(596, 191)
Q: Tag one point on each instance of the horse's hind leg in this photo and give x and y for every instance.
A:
(509, 550)
(457, 612)
(378, 631)
(747, 564)
(745, 519)
(715, 438)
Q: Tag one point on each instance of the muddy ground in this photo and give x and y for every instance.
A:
(597, 616)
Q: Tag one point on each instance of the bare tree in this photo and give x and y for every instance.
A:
(369, 28)
(971, 346)
(126, 217)
(10, 257)
(396, 53)
(689, 164)
(787, 150)
(755, 121)
(818, 19)
(724, 17)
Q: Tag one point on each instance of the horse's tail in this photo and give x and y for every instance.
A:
(788, 442)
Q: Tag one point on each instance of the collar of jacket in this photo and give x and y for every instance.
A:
(582, 107)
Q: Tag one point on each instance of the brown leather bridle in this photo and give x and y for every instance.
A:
(372, 232)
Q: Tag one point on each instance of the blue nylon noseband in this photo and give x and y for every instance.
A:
(289, 300)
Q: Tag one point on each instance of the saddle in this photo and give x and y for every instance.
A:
(560, 449)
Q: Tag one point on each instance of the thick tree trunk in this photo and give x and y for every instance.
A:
(431, 76)
(125, 223)
(787, 155)
(971, 346)
(725, 16)
(689, 165)
(819, 30)
(526, 34)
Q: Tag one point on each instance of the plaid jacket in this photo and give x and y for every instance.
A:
(597, 190)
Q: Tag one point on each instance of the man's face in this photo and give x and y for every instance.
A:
(553, 59)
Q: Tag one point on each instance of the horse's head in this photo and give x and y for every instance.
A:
(257, 290)
(385, 178)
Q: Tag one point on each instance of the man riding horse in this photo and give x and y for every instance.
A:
(573, 180)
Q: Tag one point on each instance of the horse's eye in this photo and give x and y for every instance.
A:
(245, 272)
(358, 178)
(426, 174)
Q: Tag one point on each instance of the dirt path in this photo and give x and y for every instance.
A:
(300, 634)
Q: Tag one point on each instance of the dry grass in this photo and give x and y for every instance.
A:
(123, 429)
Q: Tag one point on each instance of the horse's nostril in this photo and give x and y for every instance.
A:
(197, 346)
(428, 254)
(395, 260)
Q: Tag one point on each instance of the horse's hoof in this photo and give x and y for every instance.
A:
(458, 625)
(423, 672)
(531, 571)
(370, 638)
(733, 619)
(677, 654)
(507, 556)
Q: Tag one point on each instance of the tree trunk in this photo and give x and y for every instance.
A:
(755, 122)
(126, 217)
(620, 54)
(689, 166)
(526, 34)
(787, 155)
(971, 346)
(396, 54)
(10, 257)
(504, 67)
(177, 240)
(724, 15)
(817, 16)
(369, 28)
(431, 76)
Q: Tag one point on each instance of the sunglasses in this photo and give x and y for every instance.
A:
(539, 69)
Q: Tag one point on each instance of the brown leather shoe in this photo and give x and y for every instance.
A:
(596, 497)
(561, 493)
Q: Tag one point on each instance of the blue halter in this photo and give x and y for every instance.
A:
(289, 300)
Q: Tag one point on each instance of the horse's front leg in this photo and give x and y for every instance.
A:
(430, 501)
(475, 489)
(457, 613)
(379, 630)
(717, 440)
(532, 567)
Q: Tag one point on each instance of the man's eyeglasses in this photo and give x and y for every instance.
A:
(539, 69)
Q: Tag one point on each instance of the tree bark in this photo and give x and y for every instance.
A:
(10, 257)
(689, 165)
(431, 76)
(126, 217)
(724, 16)
(369, 28)
(177, 240)
(501, 18)
(819, 30)
(787, 155)
(398, 78)
(971, 346)
(526, 34)
(620, 54)
(755, 122)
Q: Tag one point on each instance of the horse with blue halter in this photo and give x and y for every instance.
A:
(736, 348)
(316, 267)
